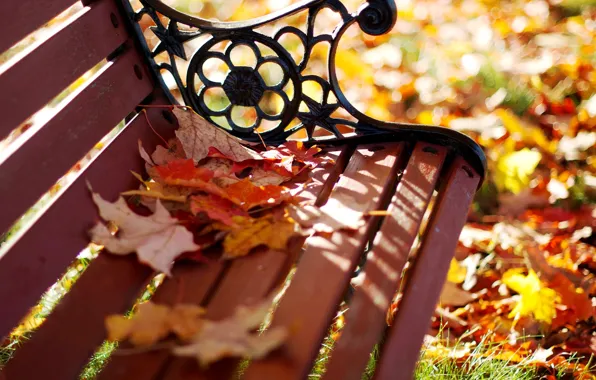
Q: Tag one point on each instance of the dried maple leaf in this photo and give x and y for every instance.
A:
(326, 218)
(246, 195)
(158, 239)
(536, 299)
(153, 322)
(233, 336)
(183, 169)
(174, 151)
(252, 233)
(303, 154)
(198, 136)
(216, 208)
(157, 190)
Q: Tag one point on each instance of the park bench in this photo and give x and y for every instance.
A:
(408, 170)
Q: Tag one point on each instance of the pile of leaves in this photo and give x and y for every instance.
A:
(208, 197)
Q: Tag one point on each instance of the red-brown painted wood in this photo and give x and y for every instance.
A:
(48, 154)
(27, 84)
(426, 277)
(246, 281)
(36, 260)
(325, 268)
(21, 17)
(365, 318)
(110, 285)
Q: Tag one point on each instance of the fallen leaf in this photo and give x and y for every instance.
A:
(324, 219)
(198, 136)
(246, 195)
(174, 151)
(144, 155)
(514, 169)
(157, 190)
(216, 208)
(153, 322)
(452, 295)
(158, 239)
(234, 337)
(457, 273)
(536, 299)
(252, 233)
(183, 169)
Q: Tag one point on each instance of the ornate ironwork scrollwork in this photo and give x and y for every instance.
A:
(244, 85)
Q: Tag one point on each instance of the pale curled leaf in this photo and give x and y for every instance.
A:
(233, 336)
(158, 239)
(197, 136)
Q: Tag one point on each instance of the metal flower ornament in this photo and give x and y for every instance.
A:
(246, 86)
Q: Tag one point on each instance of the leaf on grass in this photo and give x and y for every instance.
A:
(246, 195)
(198, 136)
(252, 233)
(216, 208)
(514, 169)
(234, 337)
(536, 299)
(158, 239)
(457, 273)
(325, 219)
(452, 295)
(153, 322)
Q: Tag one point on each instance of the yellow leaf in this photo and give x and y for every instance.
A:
(153, 322)
(530, 134)
(252, 233)
(536, 299)
(514, 169)
(457, 273)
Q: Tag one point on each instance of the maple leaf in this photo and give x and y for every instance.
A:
(216, 208)
(198, 136)
(326, 218)
(233, 336)
(153, 322)
(536, 299)
(158, 239)
(305, 155)
(157, 190)
(252, 233)
(183, 169)
(246, 195)
(174, 151)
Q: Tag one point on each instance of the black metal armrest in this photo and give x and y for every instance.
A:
(243, 85)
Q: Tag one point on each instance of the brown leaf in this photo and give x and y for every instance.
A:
(197, 136)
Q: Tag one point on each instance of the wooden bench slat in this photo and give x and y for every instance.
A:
(110, 285)
(428, 273)
(56, 62)
(22, 17)
(36, 260)
(365, 318)
(50, 152)
(325, 268)
(246, 280)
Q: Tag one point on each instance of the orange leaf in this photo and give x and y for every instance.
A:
(183, 169)
(247, 195)
(216, 208)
